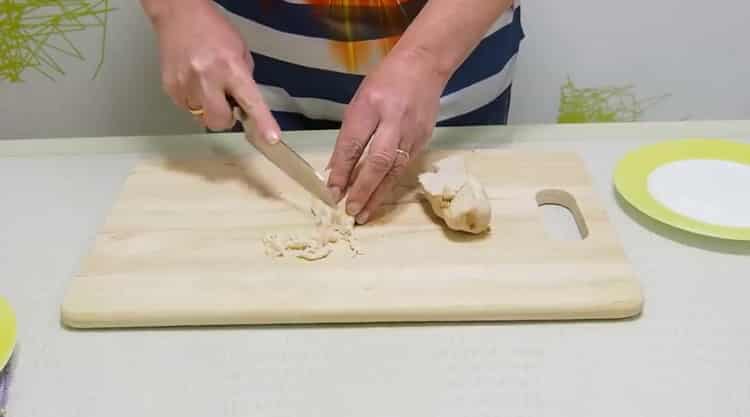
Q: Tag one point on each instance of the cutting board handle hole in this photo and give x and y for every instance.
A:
(562, 217)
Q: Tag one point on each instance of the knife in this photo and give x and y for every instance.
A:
(288, 161)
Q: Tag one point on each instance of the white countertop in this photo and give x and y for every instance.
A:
(687, 355)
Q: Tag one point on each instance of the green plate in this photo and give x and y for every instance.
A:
(680, 183)
(7, 332)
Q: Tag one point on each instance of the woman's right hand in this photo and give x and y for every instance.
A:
(204, 60)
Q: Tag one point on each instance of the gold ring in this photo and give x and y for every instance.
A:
(404, 153)
(195, 112)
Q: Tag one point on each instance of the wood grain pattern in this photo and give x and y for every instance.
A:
(182, 246)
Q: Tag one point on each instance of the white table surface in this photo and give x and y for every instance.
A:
(687, 355)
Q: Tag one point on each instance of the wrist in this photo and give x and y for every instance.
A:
(425, 61)
(446, 31)
(159, 11)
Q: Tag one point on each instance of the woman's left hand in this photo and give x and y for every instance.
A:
(394, 112)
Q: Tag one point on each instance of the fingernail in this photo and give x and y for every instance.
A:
(353, 209)
(336, 193)
(272, 137)
(363, 217)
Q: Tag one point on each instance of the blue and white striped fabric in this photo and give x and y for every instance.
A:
(311, 55)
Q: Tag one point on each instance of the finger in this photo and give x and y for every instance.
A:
(174, 86)
(191, 103)
(360, 121)
(419, 140)
(182, 91)
(377, 163)
(217, 114)
(245, 91)
(189, 96)
(195, 108)
(186, 94)
(384, 189)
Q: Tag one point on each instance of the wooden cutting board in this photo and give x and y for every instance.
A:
(183, 246)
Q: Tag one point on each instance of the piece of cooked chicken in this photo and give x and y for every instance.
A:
(456, 196)
(331, 226)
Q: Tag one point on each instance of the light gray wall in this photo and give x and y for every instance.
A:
(696, 51)
(124, 99)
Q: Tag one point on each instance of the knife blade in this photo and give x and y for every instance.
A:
(288, 161)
